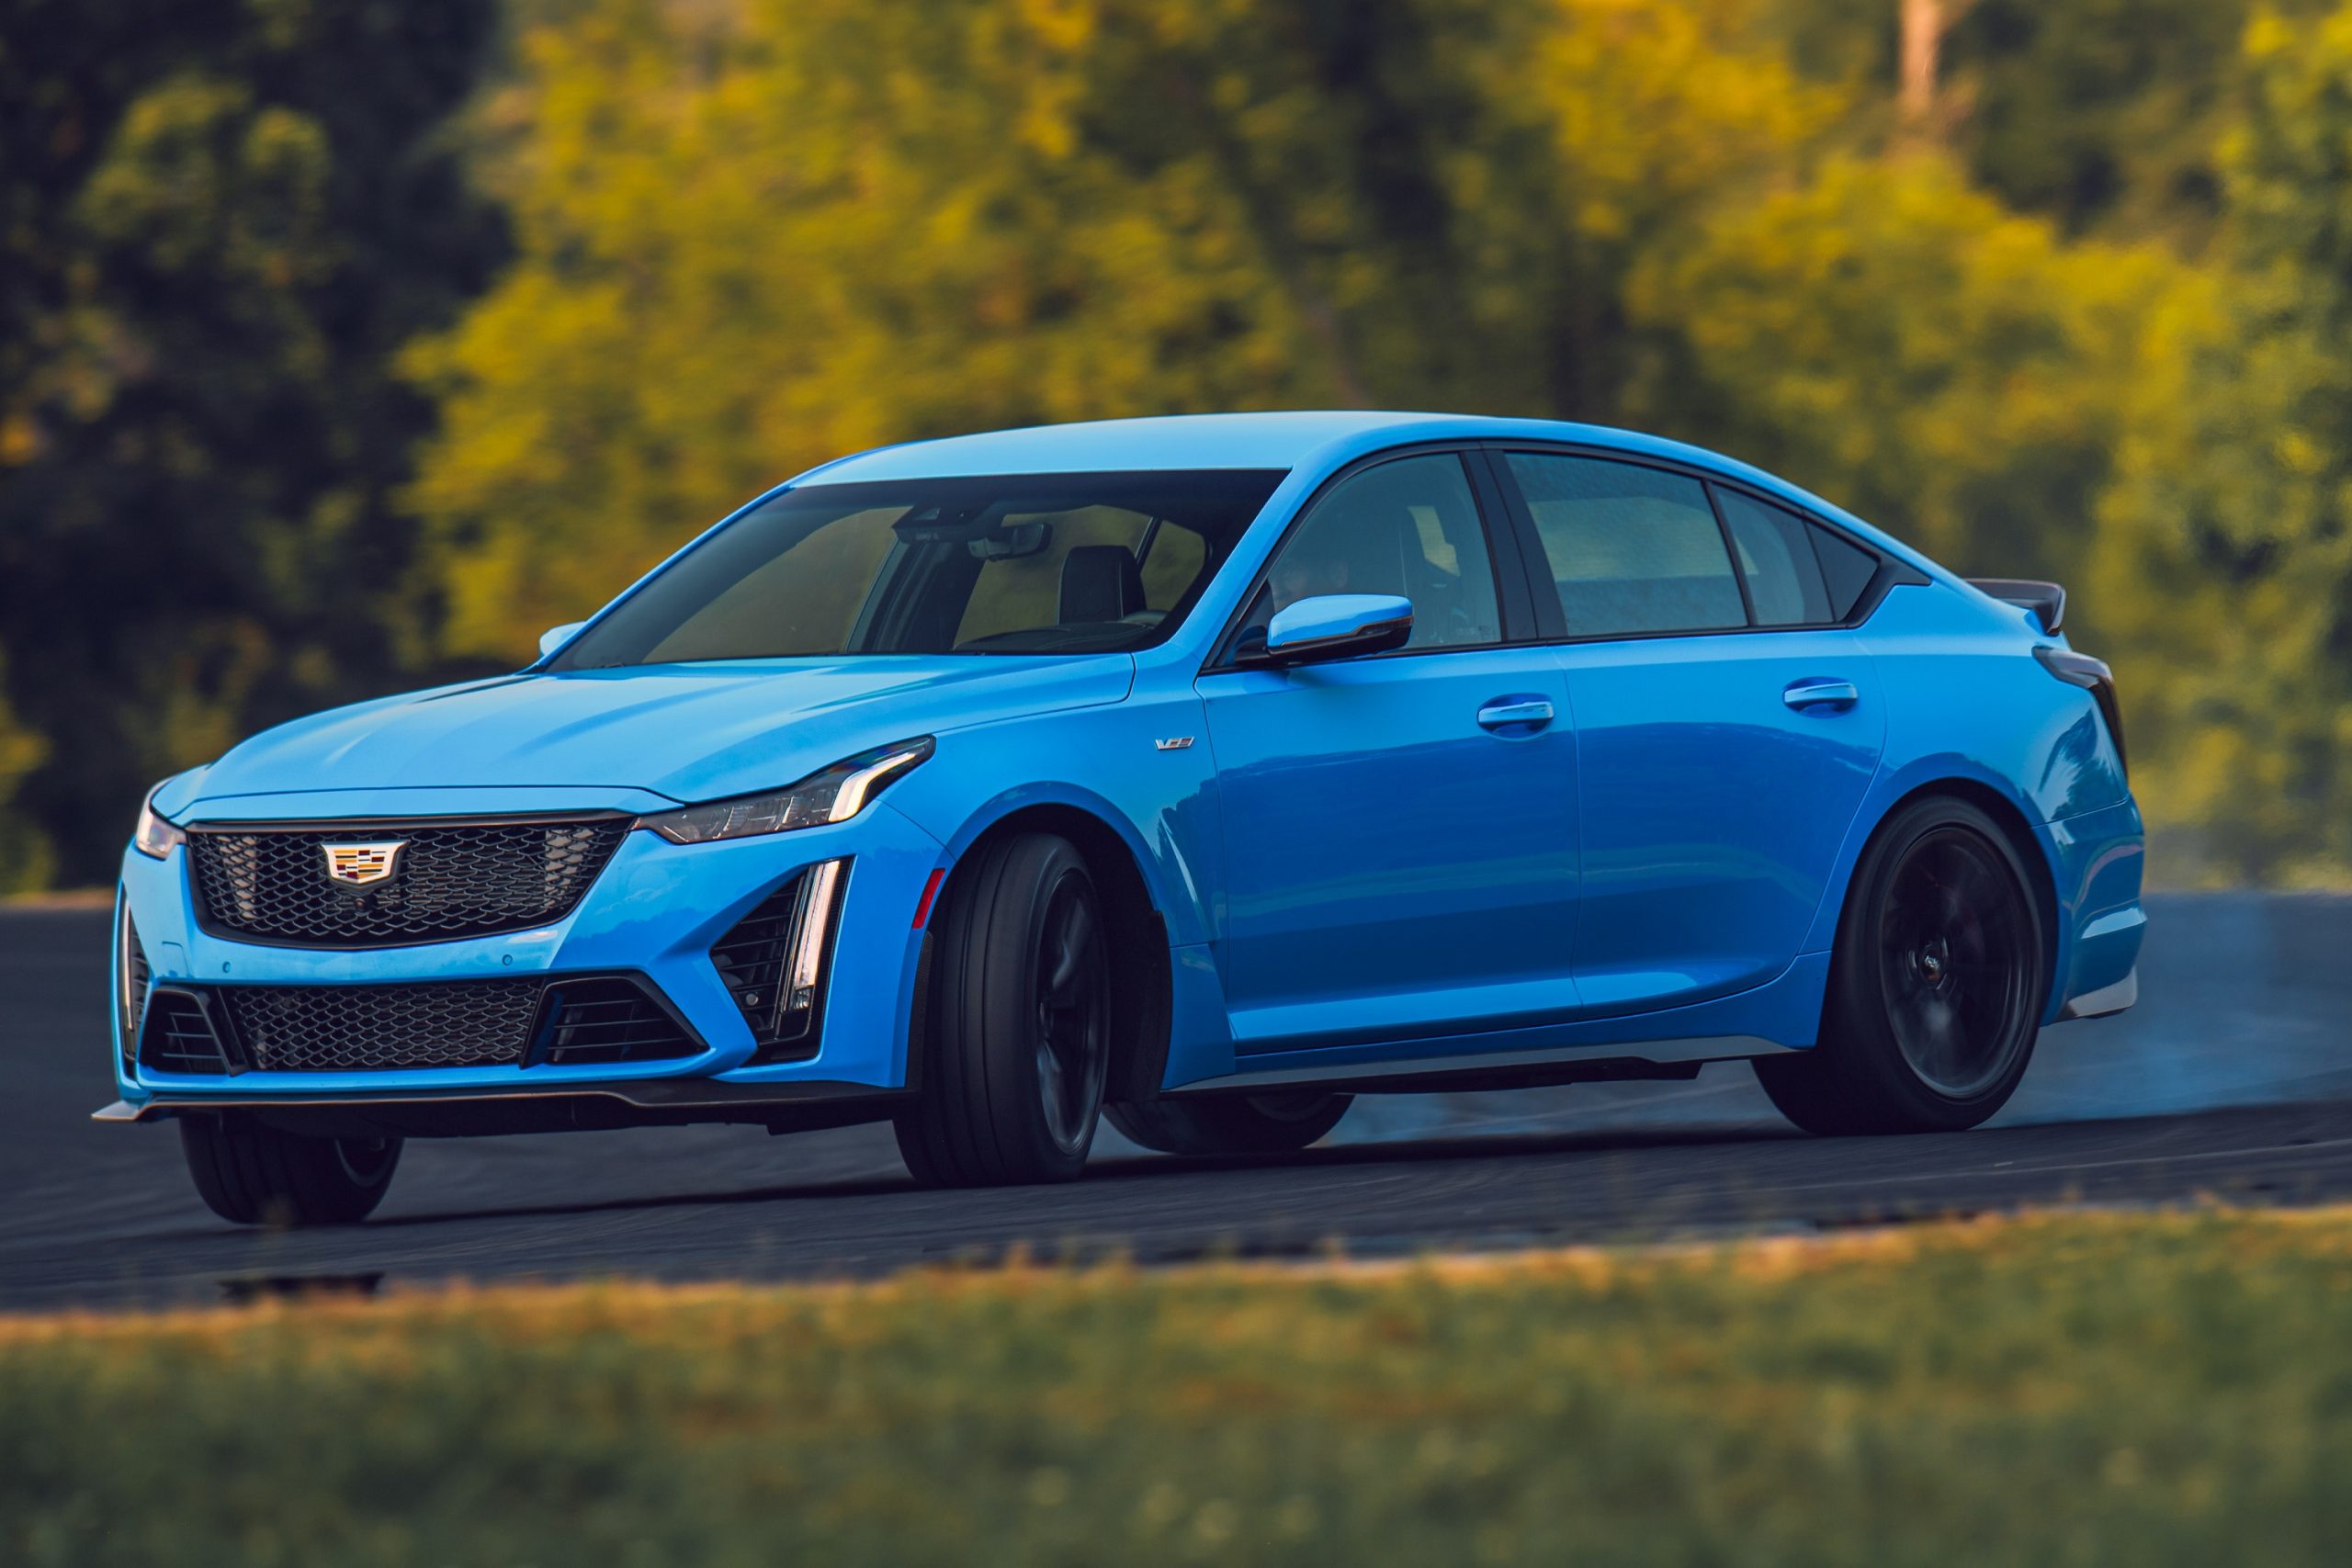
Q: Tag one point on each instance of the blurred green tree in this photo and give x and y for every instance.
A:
(756, 236)
(219, 220)
(2221, 569)
(1909, 347)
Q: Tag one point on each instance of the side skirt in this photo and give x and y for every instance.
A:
(1503, 1069)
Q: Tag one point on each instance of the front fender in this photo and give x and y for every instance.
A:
(1160, 802)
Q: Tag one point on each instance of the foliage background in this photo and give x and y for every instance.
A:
(345, 345)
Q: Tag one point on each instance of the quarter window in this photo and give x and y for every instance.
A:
(1632, 550)
(1408, 527)
(1785, 581)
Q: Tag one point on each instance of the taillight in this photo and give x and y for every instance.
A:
(2093, 676)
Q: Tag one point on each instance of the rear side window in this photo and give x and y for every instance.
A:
(1784, 579)
(1632, 550)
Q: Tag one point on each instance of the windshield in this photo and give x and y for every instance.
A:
(1008, 563)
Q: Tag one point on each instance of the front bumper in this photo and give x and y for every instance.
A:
(653, 913)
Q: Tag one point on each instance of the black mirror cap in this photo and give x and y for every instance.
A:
(2046, 600)
(1378, 636)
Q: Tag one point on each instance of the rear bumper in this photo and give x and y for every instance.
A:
(2095, 858)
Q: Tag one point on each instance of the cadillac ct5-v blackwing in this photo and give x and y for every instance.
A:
(1194, 773)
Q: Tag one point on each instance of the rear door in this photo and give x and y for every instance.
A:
(1400, 829)
(1727, 721)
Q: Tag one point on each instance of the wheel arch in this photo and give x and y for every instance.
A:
(2015, 826)
(1142, 982)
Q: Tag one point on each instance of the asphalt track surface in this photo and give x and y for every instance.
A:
(2233, 1080)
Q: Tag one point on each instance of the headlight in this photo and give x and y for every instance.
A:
(836, 794)
(156, 835)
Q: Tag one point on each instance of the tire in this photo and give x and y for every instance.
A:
(1937, 984)
(255, 1175)
(1236, 1124)
(1018, 1044)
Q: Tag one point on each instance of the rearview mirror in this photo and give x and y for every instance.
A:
(1337, 626)
(556, 637)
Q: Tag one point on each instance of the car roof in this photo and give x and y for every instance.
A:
(1316, 441)
(1287, 439)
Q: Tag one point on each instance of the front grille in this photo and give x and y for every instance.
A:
(330, 1029)
(565, 1021)
(449, 880)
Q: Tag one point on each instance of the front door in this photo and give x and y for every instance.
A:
(1400, 829)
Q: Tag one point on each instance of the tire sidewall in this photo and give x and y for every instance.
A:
(1005, 956)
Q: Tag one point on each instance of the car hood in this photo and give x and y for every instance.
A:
(691, 732)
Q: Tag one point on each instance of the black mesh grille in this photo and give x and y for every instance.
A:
(571, 1020)
(327, 1029)
(449, 880)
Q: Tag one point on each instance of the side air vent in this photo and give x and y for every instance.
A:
(178, 1035)
(775, 960)
(131, 980)
(608, 1020)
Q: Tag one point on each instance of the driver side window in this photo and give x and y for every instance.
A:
(1408, 527)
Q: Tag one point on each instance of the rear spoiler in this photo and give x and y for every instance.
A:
(2046, 600)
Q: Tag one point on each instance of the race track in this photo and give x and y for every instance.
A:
(2233, 1079)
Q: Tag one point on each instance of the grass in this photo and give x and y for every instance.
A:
(2082, 1388)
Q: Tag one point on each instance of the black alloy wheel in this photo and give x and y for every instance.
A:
(1955, 958)
(1073, 989)
(1937, 983)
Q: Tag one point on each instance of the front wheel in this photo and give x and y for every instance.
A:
(1019, 1039)
(1936, 984)
(253, 1174)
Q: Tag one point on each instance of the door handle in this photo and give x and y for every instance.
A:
(1804, 694)
(1522, 715)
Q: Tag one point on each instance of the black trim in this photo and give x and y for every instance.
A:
(1892, 572)
(579, 1106)
(1730, 555)
(1506, 547)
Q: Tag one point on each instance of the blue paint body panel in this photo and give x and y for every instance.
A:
(1352, 871)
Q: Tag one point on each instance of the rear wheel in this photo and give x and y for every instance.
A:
(1935, 984)
(1234, 1124)
(257, 1174)
(1020, 1036)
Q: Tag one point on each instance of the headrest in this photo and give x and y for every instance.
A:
(1099, 582)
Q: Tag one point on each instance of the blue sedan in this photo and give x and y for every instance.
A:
(1198, 774)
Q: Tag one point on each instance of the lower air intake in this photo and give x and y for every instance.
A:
(337, 1028)
(563, 1022)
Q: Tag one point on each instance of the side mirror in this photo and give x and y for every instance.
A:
(556, 637)
(1337, 626)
